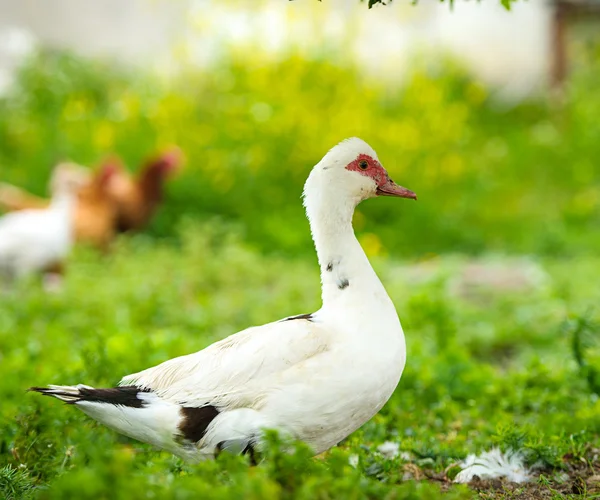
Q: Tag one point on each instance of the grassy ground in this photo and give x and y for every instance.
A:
(491, 362)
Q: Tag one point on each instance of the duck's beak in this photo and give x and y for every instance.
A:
(390, 188)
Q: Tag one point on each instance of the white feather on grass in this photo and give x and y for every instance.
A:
(390, 450)
(495, 464)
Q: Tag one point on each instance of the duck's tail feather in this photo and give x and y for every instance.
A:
(73, 394)
(137, 413)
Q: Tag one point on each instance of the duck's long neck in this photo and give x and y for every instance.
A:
(345, 269)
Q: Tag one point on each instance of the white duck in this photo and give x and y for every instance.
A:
(37, 240)
(317, 377)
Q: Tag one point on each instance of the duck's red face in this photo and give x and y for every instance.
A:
(370, 167)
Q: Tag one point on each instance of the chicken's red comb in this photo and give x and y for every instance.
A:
(109, 167)
(171, 159)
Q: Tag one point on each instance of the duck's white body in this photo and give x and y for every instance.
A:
(37, 239)
(314, 377)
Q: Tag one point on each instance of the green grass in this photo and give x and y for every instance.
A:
(507, 192)
(486, 367)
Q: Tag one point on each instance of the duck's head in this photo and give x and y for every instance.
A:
(351, 170)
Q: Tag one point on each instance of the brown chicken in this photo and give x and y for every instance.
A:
(109, 201)
(13, 198)
(138, 198)
(95, 216)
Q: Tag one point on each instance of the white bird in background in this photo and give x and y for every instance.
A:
(315, 377)
(38, 240)
(63, 174)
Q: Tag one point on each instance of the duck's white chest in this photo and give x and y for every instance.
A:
(349, 391)
(370, 386)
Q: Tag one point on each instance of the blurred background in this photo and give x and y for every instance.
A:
(489, 115)
(198, 122)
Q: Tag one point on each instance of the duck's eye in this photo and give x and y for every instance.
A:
(363, 165)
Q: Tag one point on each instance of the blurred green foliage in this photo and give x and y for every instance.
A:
(486, 366)
(505, 3)
(521, 178)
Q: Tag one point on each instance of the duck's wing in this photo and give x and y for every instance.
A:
(222, 373)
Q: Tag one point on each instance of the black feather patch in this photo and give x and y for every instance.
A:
(343, 283)
(242, 446)
(307, 317)
(118, 396)
(196, 421)
(251, 452)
